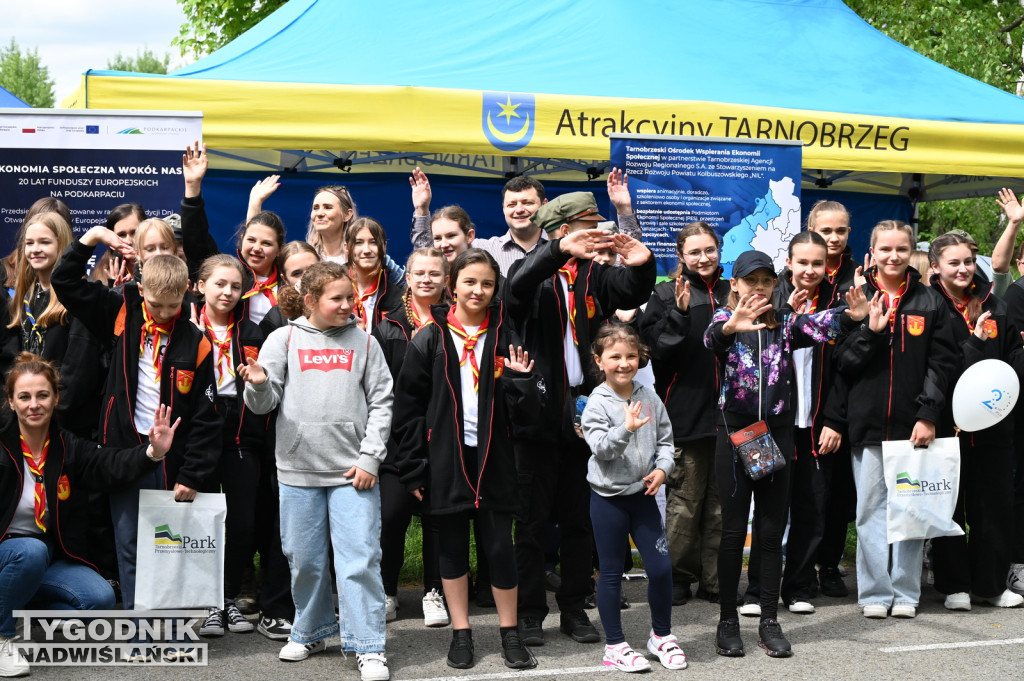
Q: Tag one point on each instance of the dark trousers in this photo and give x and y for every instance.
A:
(977, 563)
(810, 481)
(276, 591)
(553, 487)
(494, 537)
(840, 509)
(620, 517)
(397, 506)
(771, 508)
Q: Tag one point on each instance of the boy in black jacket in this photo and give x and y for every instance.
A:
(557, 298)
(157, 357)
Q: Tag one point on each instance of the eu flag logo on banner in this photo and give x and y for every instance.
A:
(508, 119)
(92, 130)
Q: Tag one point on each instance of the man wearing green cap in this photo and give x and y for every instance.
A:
(557, 298)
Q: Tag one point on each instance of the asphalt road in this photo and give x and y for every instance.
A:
(835, 642)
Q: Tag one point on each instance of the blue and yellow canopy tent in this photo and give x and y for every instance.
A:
(486, 89)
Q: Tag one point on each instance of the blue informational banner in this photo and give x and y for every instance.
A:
(92, 161)
(749, 192)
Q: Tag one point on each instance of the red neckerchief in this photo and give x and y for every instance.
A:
(223, 346)
(569, 269)
(892, 300)
(962, 307)
(469, 342)
(831, 274)
(265, 287)
(813, 306)
(417, 321)
(362, 297)
(37, 472)
(151, 328)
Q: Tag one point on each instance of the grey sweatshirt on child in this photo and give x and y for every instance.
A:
(620, 459)
(334, 392)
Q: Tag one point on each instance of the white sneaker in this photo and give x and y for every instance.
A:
(801, 607)
(668, 651)
(434, 612)
(876, 611)
(1007, 599)
(958, 601)
(390, 608)
(373, 667)
(624, 658)
(1015, 578)
(750, 609)
(12, 662)
(904, 611)
(294, 651)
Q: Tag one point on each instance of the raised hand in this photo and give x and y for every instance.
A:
(858, 304)
(618, 192)
(633, 420)
(194, 164)
(161, 435)
(118, 272)
(877, 315)
(584, 243)
(632, 253)
(980, 331)
(519, 360)
(798, 300)
(252, 372)
(1007, 200)
(744, 317)
(860, 276)
(682, 293)
(262, 190)
(421, 193)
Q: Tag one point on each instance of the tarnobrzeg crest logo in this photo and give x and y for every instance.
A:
(508, 119)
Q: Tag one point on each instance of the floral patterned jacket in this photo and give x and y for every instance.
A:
(745, 374)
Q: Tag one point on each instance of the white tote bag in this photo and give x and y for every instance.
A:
(180, 552)
(922, 485)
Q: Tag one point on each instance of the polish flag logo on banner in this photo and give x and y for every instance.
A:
(325, 360)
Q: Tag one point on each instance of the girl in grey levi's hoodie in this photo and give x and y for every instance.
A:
(333, 389)
(630, 435)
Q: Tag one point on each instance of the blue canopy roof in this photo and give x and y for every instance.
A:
(800, 54)
(9, 101)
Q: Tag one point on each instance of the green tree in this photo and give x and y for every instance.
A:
(23, 75)
(211, 24)
(143, 62)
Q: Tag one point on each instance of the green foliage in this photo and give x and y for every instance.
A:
(24, 76)
(981, 218)
(211, 24)
(143, 62)
(964, 35)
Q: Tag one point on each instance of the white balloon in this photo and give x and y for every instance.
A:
(985, 395)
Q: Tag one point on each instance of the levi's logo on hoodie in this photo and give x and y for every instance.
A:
(325, 360)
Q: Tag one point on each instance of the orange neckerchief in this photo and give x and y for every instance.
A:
(892, 300)
(37, 472)
(151, 328)
(962, 309)
(469, 342)
(831, 274)
(363, 296)
(223, 346)
(265, 287)
(813, 302)
(569, 269)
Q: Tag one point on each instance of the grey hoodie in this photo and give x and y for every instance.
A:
(334, 392)
(620, 458)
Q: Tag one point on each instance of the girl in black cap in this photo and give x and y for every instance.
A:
(755, 344)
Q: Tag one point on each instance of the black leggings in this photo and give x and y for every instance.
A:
(771, 499)
(494, 532)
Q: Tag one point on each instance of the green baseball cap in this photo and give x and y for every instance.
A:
(566, 208)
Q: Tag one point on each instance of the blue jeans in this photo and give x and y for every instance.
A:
(881, 579)
(352, 519)
(124, 511)
(28, 578)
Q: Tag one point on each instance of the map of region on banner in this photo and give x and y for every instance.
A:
(749, 192)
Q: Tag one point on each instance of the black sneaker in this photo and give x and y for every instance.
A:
(709, 596)
(214, 624)
(236, 620)
(771, 638)
(577, 625)
(514, 651)
(727, 638)
(275, 628)
(460, 652)
(531, 631)
(832, 582)
(681, 594)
